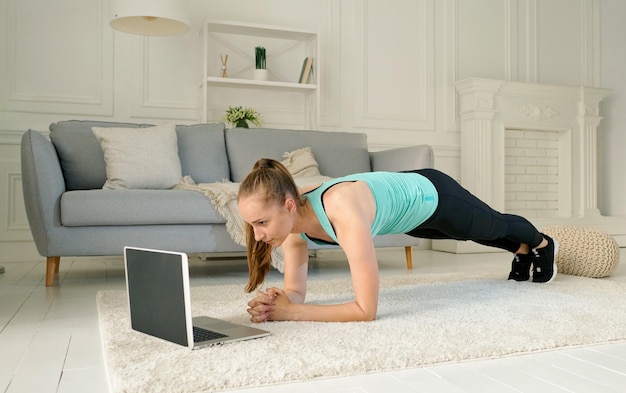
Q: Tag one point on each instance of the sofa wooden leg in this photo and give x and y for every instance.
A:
(408, 251)
(52, 267)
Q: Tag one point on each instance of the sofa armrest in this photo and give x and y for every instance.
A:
(402, 159)
(42, 186)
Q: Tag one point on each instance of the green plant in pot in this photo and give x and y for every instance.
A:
(260, 71)
(238, 117)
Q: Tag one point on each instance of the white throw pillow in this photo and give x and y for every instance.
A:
(140, 157)
(301, 163)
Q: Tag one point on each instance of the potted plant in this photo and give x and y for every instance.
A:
(260, 71)
(238, 117)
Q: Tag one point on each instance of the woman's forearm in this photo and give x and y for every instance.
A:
(345, 312)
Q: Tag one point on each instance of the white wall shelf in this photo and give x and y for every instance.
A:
(252, 82)
(252, 29)
(286, 49)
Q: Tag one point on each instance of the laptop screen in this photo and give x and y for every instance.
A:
(156, 294)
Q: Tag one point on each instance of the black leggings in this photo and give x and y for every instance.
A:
(462, 216)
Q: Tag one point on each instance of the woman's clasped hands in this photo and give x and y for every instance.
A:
(270, 305)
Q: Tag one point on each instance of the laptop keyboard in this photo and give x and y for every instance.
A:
(200, 335)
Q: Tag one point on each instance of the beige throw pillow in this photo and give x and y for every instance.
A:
(138, 158)
(301, 163)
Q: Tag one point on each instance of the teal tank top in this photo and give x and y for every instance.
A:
(403, 201)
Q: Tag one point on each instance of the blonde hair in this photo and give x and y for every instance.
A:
(271, 180)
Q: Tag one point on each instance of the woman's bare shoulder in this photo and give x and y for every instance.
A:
(348, 198)
(308, 188)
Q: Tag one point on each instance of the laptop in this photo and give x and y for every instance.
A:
(157, 284)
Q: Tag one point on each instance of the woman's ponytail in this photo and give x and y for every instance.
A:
(259, 255)
(273, 181)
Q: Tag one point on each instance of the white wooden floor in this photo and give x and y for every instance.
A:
(50, 340)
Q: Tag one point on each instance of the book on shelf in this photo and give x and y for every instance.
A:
(306, 71)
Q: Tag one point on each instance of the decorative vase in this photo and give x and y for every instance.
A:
(241, 124)
(260, 74)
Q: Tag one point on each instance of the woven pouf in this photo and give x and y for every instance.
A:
(584, 251)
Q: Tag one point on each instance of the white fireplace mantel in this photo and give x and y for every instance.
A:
(489, 108)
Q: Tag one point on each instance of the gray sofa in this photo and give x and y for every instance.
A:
(71, 215)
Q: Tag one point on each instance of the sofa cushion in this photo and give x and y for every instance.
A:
(201, 150)
(136, 207)
(81, 156)
(139, 158)
(337, 153)
(301, 163)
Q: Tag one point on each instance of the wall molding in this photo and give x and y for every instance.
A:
(10, 137)
(148, 99)
(365, 62)
(450, 74)
(330, 84)
(97, 102)
(15, 203)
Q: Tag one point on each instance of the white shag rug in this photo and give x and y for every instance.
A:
(422, 320)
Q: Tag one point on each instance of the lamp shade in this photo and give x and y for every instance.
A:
(150, 17)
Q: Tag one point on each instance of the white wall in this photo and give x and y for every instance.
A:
(612, 139)
(388, 70)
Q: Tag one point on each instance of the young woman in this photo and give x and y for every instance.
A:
(350, 211)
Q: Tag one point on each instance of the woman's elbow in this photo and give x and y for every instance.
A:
(369, 317)
(367, 314)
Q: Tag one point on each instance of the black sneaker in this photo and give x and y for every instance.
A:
(520, 267)
(544, 261)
